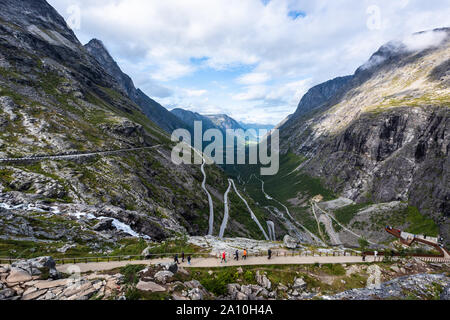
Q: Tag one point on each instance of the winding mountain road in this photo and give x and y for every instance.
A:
(253, 216)
(271, 228)
(226, 211)
(268, 197)
(210, 202)
(75, 155)
(334, 237)
(340, 224)
(317, 220)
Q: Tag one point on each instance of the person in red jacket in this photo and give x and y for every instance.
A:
(224, 257)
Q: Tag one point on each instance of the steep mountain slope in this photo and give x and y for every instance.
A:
(152, 109)
(382, 134)
(55, 98)
(321, 94)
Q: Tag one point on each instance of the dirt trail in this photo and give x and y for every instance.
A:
(215, 262)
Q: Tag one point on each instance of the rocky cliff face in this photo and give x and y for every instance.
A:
(382, 134)
(320, 94)
(152, 109)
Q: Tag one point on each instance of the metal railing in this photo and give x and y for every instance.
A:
(96, 259)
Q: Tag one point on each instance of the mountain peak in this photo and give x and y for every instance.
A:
(97, 46)
(152, 109)
(38, 18)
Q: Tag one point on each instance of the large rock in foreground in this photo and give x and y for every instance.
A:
(290, 242)
(37, 266)
(34, 279)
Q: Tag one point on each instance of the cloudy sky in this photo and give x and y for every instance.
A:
(251, 59)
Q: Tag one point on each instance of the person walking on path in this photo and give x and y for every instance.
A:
(189, 260)
(236, 255)
(182, 256)
(375, 254)
(363, 257)
(244, 255)
(175, 259)
(224, 257)
(269, 254)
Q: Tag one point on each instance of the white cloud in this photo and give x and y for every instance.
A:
(171, 69)
(253, 78)
(252, 93)
(195, 93)
(424, 40)
(288, 93)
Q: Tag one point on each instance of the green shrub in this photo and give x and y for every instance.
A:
(218, 285)
(248, 276)
(133, 294)
(334, 269)
(130, 273)
(345, 214)
(363, 244)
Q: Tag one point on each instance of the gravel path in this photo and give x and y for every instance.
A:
(215, 262)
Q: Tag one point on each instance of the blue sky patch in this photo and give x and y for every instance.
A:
(294, 14)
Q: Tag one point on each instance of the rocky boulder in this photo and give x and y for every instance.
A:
(445, 295)
(196, 294)
(6, 294)
(290, 242)
(163, 276)
(171, 266)
(104, 225)
(263, 280)
(299, 284)
(146, 253)
(150, 286)
(37, 266)
(17, 275)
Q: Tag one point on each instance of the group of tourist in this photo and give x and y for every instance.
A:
(223, 257)
(175, 258)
